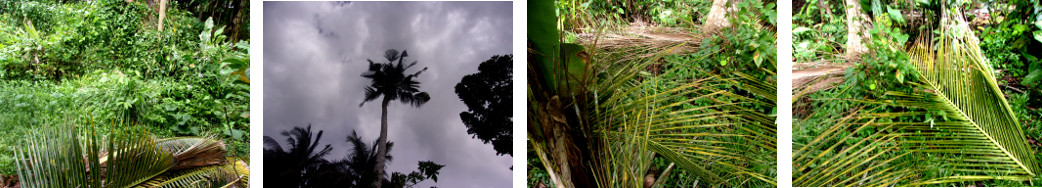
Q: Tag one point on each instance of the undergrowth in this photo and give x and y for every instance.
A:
(105, 62)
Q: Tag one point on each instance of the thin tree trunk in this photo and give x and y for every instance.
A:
(162, 13)
(854, 46)
(382, 142)
(825, 6)
(560, 153)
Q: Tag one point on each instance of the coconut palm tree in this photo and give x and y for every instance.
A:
(392, 82)
(302, 152)
(362, 159)
(310, 169)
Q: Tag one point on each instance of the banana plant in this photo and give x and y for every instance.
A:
(65, 157)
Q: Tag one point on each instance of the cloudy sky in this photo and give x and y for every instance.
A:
(315, 52)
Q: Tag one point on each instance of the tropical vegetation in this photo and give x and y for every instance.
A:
(101, 70)
(916, 98)
(651, 94)
(304, 163)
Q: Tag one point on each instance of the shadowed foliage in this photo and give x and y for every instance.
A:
(487, 95)
(310, 168)
(293, 166)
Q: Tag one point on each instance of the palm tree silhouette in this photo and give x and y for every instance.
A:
(362, 160)
(390, 81)
(302, 151)
(301, 166)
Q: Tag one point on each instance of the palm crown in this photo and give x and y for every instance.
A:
(390, 80)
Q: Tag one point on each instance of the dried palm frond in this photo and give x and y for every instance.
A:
(645, 40)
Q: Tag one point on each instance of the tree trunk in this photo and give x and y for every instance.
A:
(825, 6)
(560, 154)
(162, 14)
(854, 46)
(382, 144)
(717, 17)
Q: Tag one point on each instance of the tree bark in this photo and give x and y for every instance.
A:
(162, 13)
(559, 152)
(854, 46)
(825, 6)
(717, 17)
(382, 144)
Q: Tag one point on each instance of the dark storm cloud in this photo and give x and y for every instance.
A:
(315, 51)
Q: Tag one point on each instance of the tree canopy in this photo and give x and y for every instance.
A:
(487, 94)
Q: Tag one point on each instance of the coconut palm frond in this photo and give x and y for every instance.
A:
(210, 176)
(837, 157)
(600, 113)
(961, 83)
(49, 150)
(700, 124)
(957, 125)
(191, 152)
(60, 157)
(66, 157)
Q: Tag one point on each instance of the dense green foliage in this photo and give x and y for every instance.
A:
(106, 61)
(819, 30)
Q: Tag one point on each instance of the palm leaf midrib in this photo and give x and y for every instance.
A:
(950, 104)
(928, 70)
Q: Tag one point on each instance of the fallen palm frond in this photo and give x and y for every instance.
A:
(65, 157)
(806, 81)
(957, 126)
(601, 112)
(836, 157)
(645, 40)
(963, 85)
(718, 139)
(208, 176)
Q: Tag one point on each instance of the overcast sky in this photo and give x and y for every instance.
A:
(315, 52)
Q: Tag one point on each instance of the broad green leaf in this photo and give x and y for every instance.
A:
(799, 30)
(901, 38)
(1032, 78)
(896, 15)
(1037, 35)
